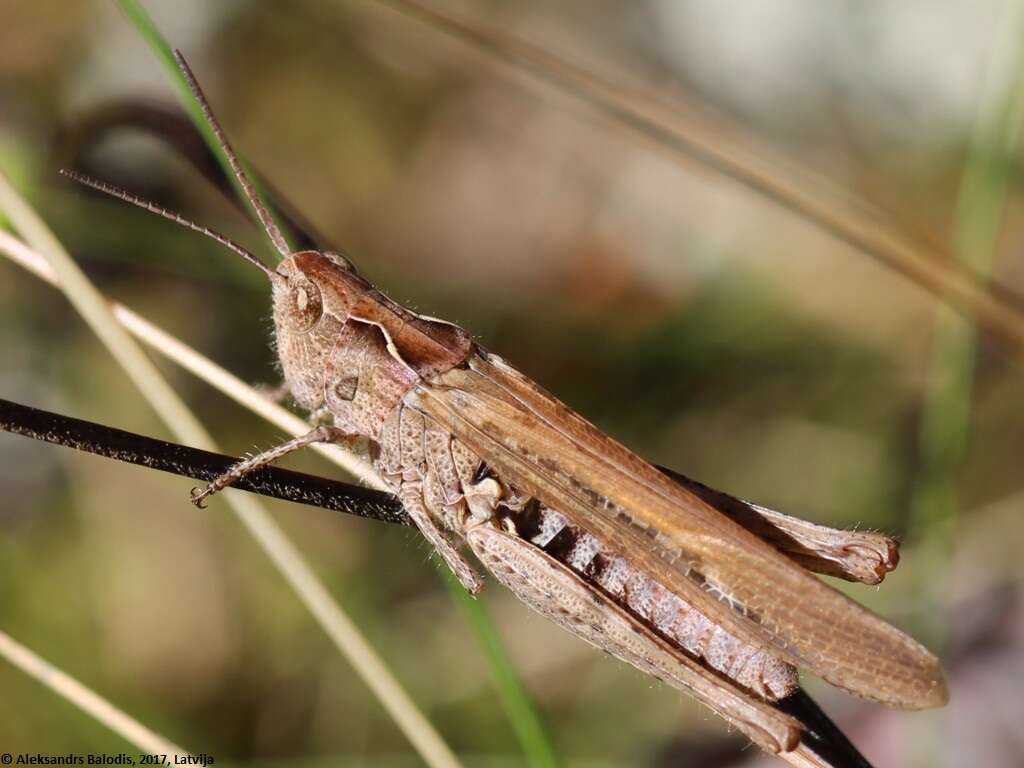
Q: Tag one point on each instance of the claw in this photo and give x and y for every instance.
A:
(198, 496)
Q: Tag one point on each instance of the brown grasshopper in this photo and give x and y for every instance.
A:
(705, 592)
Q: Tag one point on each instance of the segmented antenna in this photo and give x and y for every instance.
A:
(250, 191)
(128, 197)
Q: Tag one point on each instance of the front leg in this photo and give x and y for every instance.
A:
(321, 434)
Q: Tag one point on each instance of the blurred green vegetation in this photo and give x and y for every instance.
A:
(697, 323)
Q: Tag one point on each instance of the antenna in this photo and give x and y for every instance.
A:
(250, 191)
(128, 197)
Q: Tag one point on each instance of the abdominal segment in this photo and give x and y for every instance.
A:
(651, 603)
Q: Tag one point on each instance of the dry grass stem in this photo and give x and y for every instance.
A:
(96, 310)
(201, 366)
(85, 699)
(686, 135)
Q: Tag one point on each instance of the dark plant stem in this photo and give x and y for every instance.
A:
(197, 464)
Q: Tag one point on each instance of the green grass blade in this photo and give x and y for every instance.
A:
(519, 707)
(946, 415)
(523, 716)
(164, 54)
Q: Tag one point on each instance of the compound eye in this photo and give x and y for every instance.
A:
(307, 305)
(339, 260)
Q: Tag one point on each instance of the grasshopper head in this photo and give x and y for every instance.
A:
(314, 293)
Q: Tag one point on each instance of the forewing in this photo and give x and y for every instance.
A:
(545, 449)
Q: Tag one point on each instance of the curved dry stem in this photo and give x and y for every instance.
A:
(47, 252)
(685, 135)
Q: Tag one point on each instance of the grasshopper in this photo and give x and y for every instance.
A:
(708, 593)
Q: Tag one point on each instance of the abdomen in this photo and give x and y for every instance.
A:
(415, 449)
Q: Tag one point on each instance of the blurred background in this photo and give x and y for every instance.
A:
(687, 315)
